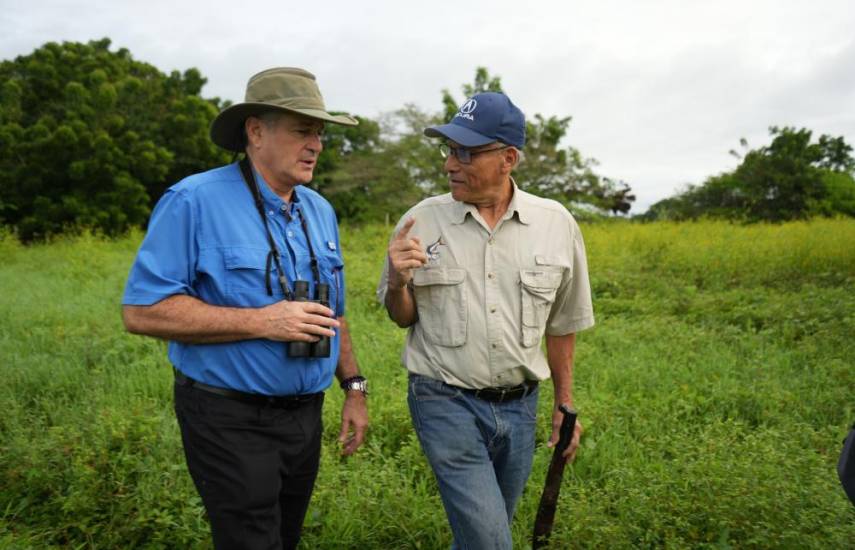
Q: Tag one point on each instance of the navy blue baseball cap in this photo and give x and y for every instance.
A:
(482, 119)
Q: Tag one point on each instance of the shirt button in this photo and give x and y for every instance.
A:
(490, 241)
(489, 275)
(283, 208)
(492, 310)
(290, 233)
(495, 345)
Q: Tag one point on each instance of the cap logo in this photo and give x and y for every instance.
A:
(466, 110)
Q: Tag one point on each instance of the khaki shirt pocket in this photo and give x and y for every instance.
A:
(537, 293)
(441, 303)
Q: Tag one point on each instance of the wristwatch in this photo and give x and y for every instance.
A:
(355, 383)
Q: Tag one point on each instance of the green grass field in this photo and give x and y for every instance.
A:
(715, 391)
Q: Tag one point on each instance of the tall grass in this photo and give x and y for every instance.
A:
(715, 391)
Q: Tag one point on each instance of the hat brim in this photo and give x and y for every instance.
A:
(227, 128)
(459, 134)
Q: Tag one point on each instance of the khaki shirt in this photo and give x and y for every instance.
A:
(485, 298)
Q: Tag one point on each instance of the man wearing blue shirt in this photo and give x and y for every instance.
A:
(241, 270)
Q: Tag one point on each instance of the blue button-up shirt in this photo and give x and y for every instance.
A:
(206, 240)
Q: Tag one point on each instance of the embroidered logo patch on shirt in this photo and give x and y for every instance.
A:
(433, 250)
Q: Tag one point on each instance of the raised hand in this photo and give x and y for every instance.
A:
(405, 254)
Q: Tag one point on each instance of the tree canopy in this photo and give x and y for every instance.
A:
(91, 137)
(390, 164)
(379, 168)
(791, 178)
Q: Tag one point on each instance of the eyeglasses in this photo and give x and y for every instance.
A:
(462, 154)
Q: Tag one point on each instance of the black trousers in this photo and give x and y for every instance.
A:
(254, 466)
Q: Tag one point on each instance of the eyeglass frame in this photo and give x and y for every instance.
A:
(447, 150)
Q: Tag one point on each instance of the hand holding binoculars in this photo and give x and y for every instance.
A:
(321, 348)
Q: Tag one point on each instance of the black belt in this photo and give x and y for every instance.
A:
(499, 395)
(278, 401)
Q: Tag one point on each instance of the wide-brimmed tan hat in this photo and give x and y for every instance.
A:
(279, 89)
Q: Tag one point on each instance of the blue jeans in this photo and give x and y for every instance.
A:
(481, 455)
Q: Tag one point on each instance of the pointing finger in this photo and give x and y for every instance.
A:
(402, 234)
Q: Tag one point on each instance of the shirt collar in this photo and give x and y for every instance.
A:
(517, 205)
(520, 205)
(272, 201)
(460, 211)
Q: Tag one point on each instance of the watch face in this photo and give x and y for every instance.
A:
(355, 383)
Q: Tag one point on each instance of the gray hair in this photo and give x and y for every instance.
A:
(520, 156)
(271, 118)
(268, 118)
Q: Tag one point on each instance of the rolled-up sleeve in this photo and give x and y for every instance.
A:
(166, 262)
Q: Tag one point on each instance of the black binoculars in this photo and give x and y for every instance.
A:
(321, 348)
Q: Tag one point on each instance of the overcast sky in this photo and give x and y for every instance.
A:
(659, 90)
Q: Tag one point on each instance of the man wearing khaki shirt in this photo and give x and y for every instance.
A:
(479, 275)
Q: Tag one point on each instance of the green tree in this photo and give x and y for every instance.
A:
(791, 178)
(380, 168)
(377, 170)
(90, 137)
(346, 173)
(839, 196)
(786, 179)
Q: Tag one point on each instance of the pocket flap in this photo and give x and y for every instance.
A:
(540, 279)
(245, 258)
(438, 276)
(331, 259)
(540, 259)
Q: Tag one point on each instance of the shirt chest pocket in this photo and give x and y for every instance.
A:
(245, 271)
(441, 302)
(537, 294)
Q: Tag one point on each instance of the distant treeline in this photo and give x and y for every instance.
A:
(90, 138)
(792, 178)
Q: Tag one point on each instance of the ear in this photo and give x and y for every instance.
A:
(510, 157)
(253, 126)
